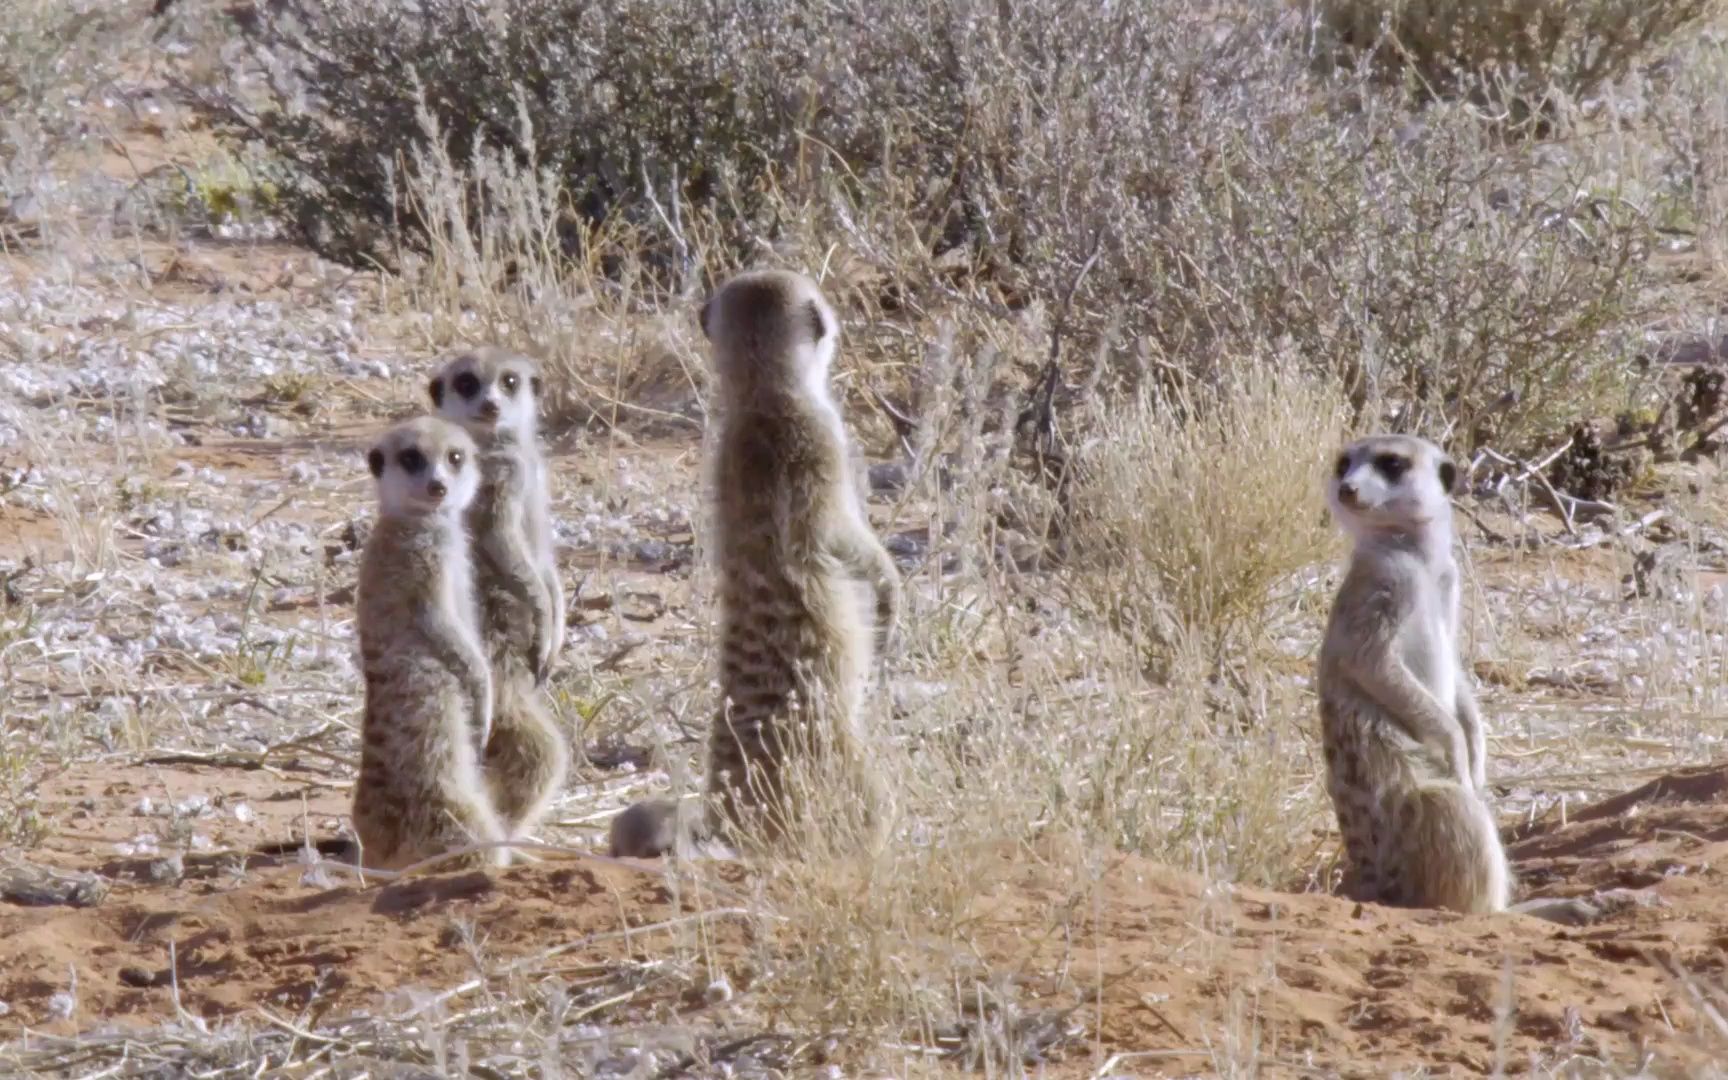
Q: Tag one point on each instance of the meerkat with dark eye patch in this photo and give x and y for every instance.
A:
(494, 394)
(791, 542)
(428, 679)
(1405, 751)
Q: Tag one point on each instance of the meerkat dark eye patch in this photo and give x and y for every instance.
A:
(1391, 466)
(1341, 466)
(510, 382)
(437, 391)
(1448, 475)
(813, 315)
(467, 384)
(536, 385)
(454, 457)
(375, 462)
(412, 461)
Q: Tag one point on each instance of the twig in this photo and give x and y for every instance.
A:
(1040, 415)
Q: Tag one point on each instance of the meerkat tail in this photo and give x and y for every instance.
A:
(526, 760)
(1453, 855)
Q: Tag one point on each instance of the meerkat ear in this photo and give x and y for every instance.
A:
(702, 317)
(536, 385)
(375, 461)
(437, 391)
(818, 326)
(1448, 476)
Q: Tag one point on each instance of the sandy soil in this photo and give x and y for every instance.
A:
(1329, 986)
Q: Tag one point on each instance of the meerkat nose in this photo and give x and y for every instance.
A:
(489, 410)
(436, 489)
(1347, 493)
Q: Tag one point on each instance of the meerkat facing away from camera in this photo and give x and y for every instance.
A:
(791, 542)
(1403, 741)
(494, 394)
(428, 679)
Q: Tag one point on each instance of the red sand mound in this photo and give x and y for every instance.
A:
(1163, 964)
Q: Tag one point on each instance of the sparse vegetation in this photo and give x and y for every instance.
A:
(1202, 256)
(1512, 50)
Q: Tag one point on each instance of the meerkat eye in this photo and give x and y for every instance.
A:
(412, 461)
(509, 380)
(467, 384)
(1342, 466)
(1391, 466)
(455, 459)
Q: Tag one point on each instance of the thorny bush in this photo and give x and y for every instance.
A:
(1179, 183)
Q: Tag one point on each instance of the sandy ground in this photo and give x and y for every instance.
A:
(1321, 984)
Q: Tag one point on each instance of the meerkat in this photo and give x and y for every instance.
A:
(428, 679)
(1403, 740)
(494, 394)
(791, 540)
(656, 826)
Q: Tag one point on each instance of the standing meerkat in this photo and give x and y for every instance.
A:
(791, 542)
(494, 394)
(428, 680)
(1405, 751)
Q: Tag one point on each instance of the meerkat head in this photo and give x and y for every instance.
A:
(1391, 485)
(424, 466)
(771, 330)
(490, 391)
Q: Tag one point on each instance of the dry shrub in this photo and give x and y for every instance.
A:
(1177, 181)
(1527, 47)
(1203, 500)
(52, 52)
(488, 265)
(1691, 122)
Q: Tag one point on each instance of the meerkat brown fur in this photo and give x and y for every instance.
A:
(428, 680)
(1404, 746)
(494, 394)
(791, 541)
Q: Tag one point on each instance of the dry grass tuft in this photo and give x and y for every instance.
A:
(1195, 506)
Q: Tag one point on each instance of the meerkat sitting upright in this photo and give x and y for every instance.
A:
(1403, 741)
(428, 679)
(494, 394)
(791, 541)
